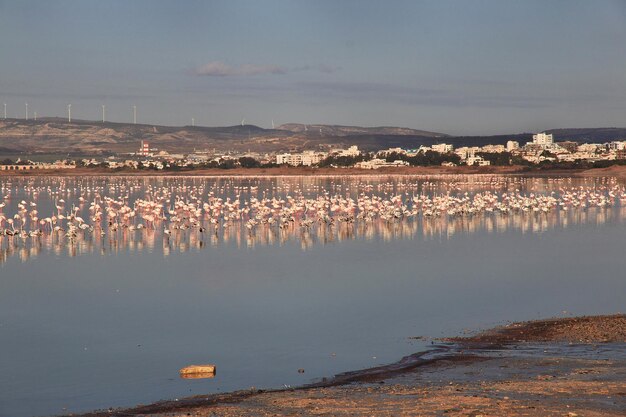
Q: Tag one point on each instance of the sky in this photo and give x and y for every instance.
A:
(453, 66)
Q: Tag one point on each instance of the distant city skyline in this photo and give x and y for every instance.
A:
(456, 67)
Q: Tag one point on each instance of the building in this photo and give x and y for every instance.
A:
(310, 158)
(616, 146)
(282, 158)
(477, 161)
(306, 158)
(442, 148)
(123, 164)
(392, 150)
(194, 158)
(144, 150)
(380, 163)
(493, 148)
(467, 152)
(543, 139)
(14, 167)
(569, 146)
(38, 165)
(351, 151)
(591, 148)
(512, 145)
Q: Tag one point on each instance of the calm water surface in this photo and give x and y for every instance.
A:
(108, 319)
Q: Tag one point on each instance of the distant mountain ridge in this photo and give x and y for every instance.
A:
(340, 130)
(600, 134)
(57, 136)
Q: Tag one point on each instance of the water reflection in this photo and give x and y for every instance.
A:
(74, 216)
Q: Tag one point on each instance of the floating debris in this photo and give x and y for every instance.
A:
(197, 372)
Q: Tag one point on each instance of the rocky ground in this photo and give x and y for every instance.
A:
(550, 386)
(589, 329)
(558, 367)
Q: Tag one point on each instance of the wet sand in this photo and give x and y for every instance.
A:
(556, 367)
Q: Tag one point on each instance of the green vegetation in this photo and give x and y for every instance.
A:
(248, 162)
(497, 158)
(344, 161)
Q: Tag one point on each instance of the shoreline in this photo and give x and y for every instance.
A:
(499, 347)
(615, 170)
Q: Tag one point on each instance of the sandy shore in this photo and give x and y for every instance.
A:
(556, 367)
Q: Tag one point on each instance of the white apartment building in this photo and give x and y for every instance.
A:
(380, 163)
(351, 151)
(512, 145)
(442, 148)
(543, 139)
(467, 152)
(477, 160)
(392, 150)
(493, 148)
(282, 158)
(306, 158)
(616, 146)
(312, 158)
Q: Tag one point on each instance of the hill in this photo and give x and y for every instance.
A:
(56, 136)
(338, 130)
(51, 135)
(594, 135)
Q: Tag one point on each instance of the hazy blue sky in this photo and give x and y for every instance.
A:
(459, 67)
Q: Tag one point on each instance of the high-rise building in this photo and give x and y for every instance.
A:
(543, 139)
(512, 145)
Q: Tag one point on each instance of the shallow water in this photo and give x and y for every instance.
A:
(108, 319)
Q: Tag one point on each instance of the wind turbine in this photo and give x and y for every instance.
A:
(69, 113)
(5, 111)
(103, 113)
(134, 114)
(272, 123)
(243, 121)
(26, 110)
(35, 116)
(193, 122)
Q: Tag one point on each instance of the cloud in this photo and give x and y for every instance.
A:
(215, 69)
(249, 69)
(220, 69)
(326, 69)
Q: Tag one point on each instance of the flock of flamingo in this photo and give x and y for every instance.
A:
(83, 213)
